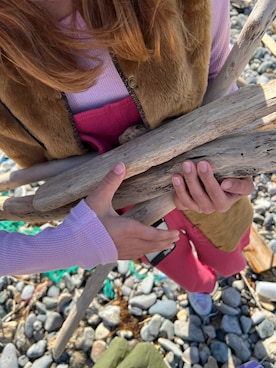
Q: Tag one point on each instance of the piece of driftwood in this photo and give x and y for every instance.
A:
(76, 313)
(269, 43)
(202, 125)
(21, 209)
(39, 172)
(258, 254)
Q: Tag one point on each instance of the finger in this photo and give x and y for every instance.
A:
(217, 196)
(150, 233)
(244, 186)
(139, 248)
(182, 198)
(111, 182)
(196, 188)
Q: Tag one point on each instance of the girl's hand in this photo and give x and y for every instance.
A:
(131, 238)
(198, 189)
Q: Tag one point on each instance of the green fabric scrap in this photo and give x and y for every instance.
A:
(56, 275)
(108, 289)
(120, 355)
(114, 355)
(18, 226)
(144, 355)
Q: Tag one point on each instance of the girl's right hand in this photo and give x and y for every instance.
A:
(132, 239)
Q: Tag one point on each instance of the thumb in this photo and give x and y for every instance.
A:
(111, 182)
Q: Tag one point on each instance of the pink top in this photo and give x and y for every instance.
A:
(82, 239)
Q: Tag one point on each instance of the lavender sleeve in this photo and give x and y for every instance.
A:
(220, 37)
(80, 240)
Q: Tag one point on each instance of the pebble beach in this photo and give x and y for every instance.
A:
(137, 302)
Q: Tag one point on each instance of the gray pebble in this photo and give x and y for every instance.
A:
(53, 291)
(23, 361)
(27, 292)
(40, 307)
(150, 331)
(226, 309)
(209, 331)
(53, 322)
(135, 311)
(8, 358)
(257, 317)
(170, 346)
(143, 301)
(265, 329)
(29, 325)
(167, 329)
(50, 303)
(188, 330)
(43, 362)
(126, 291)
(37, 350)
(123, 267)
(240, 348)
(166, 308)
(85, 339)
(220, 351)
(231, 324)
(110, 316)
(68, 281)
(191, 355)
(101, 332)
(231, 297)
(246, 324)
(147, 283)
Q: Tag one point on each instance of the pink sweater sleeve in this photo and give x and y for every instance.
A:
(220, 37)
(81, 240)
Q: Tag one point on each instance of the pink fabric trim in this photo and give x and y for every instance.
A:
(101, 127)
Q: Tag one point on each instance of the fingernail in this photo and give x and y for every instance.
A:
(226, 184)
(176, 180)
(187, 167)
(203, 167)
(119, 168)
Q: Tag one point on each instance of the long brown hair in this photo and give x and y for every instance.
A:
(32, 42)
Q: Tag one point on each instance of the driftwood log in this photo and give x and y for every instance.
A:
(39, 172)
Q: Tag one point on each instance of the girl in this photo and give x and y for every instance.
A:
(75, 74)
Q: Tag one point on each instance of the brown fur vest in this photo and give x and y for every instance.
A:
(35, 120)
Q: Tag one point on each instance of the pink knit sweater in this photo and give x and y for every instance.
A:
(82, 239)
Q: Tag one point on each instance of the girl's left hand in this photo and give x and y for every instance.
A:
(198, 190)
